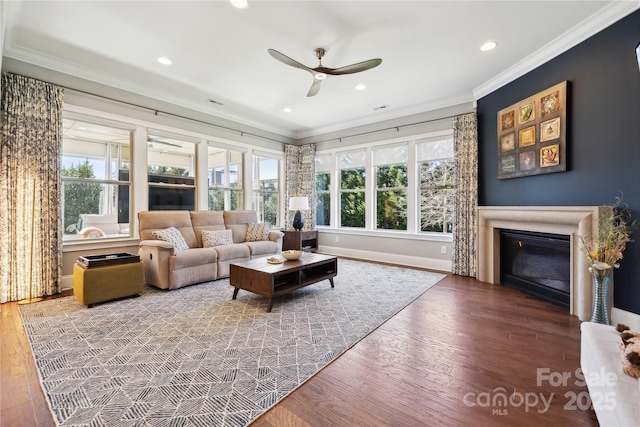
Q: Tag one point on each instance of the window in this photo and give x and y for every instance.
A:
(265, 188)
(224, 173)
(323, 189)
(352, 188)
(95, 192)
(436, 178)
(170, 171)
(390, 163)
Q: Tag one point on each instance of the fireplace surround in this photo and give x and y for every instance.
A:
(573, 221)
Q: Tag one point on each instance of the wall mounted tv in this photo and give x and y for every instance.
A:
(160, 197)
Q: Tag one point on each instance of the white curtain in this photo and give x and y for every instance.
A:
(30, 188)
(465, 145)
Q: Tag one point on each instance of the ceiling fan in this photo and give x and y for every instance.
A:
(321, 72)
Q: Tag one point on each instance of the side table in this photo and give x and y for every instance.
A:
(304, 240)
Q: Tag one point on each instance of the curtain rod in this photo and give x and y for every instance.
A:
(156, 112)
(397, 128)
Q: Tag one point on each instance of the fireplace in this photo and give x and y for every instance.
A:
(537, 263)
(573, 221)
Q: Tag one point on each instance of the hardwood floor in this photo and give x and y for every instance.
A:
(446, 359)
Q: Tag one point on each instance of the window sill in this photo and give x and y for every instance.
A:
(80, 244)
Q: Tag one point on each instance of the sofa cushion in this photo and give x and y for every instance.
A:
(258, 232)
(231, 252)
(265, 247)
(206, 221)
(194, 258)
(159, 220)
(216, 238)
(237, 222)
(173, 236)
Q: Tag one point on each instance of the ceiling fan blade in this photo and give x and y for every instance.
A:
(354, 68)
(315, 88)
(286, 60)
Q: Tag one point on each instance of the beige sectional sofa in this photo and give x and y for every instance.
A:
(166, 268)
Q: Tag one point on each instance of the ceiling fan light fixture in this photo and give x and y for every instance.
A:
(320, 76)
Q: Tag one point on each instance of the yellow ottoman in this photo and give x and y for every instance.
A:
(98, 284)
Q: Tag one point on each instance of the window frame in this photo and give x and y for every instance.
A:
(420, 188)
(167, 183)
(413, 230)
(259, 193)
(376, 167)
(111, 187)
(357, 165)
(326, 170)
(226, 188)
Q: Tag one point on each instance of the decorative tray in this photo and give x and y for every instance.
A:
(90, 261)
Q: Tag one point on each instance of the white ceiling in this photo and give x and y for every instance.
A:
(429, 50)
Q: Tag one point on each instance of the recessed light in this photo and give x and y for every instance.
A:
(164, 60)
(488, 46)
(240, 4)
(287, 110)
(361, 87)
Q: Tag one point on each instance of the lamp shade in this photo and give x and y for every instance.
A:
(298, 203)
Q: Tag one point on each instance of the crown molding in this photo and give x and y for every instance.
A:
(388, 115)
(576, 35)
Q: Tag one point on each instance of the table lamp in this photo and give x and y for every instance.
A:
(296, 204)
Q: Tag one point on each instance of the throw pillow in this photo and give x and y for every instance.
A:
(173, 236)
(216, 238)
(258, 232)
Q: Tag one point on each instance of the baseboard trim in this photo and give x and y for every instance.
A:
(67, 282)
(404, 260)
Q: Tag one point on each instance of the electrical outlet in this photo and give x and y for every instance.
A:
(337, 239)
(443, 249)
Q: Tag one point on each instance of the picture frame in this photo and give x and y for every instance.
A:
(532, 134)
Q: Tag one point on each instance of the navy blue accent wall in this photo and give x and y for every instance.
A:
(603, 138)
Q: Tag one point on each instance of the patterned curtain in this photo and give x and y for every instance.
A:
(465, 146)
(300, 170)
(30, 184)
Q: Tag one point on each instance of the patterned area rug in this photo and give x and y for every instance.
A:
(195, 357)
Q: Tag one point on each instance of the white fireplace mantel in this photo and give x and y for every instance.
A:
(574, 221)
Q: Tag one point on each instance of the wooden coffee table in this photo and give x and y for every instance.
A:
(272, 280)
